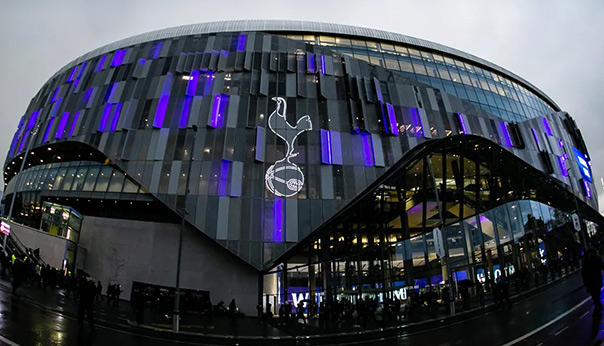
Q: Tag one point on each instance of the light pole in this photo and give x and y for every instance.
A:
(176, 314)
(34, 131)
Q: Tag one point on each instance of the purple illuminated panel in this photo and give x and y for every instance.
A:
(506, 134)
(162, 105)
(104, 117)
(241, 42)
(80, 74)
(561, 143)
(100, 63)
(378, 90)
(30, 125)
(118, 57)
(218, 109)
(192, 84)
(322, 64)
(278, 220)
(587, 188)
(184, 115)
(536, 138)
(367, 149)
(392, 119)
(326, 154)
(310, 63)
(72, 74)
(62, 125)
(117, 110)
(111, 93)
(207, 86)
(462, 123)
(416, 118)
(562, 161)
(224, 178)
(548, 130)
(157, 49)
(54, 95)
(73, 123)
(47, 132)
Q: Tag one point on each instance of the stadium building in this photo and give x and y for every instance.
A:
(322, 160)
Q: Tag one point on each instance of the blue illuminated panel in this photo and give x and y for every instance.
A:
(100, 63)
(278, 220)
(326, 155)
(47, 132)
(241, 42)
(62, 125)
(506, 134)
(72, 74)
(162, 104)
(392, 119)
(548, 129)
(218, 111)
(104, 117)
(117, 110)
(157, 49)
(322, 64)
(583, 165)
(118, 57)
(587, 189)
(73, 123)
(367, 149)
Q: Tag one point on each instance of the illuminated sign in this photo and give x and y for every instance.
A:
(583, 165)
(284, 178)
(5, 228)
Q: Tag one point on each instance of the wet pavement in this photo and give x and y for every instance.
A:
(38, 318)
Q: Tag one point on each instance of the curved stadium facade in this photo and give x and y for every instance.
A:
(319, 158)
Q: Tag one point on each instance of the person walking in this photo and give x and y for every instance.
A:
(85, 306)
(592, 277)
(99, 291)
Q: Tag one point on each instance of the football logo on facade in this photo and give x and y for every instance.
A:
(284, 178)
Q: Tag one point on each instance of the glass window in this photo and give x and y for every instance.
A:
(419, 67)
(103, 179)
(78, 182)
(414, 53)
(391, 64)
(90, 180)
(406, 65)
(401, 50)
(60, 178)
(344, 42)
(69, 178)
(358, 43)
(427, 56)
(116, 182)
(327, 41)
(372, 45)
(387, 47)
(438, 59)
(455, 75)
(130, 186)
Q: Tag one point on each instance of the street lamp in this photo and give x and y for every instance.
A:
(34, 131)
(176, 314)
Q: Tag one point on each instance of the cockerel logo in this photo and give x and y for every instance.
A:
(284, 178)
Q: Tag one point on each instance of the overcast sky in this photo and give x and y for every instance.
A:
(557, 45)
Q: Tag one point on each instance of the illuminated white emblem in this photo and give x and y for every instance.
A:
(284, 178)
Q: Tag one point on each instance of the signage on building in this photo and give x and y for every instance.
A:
(284, 178)
(576, 222)
(583, 165)
(439, 246)
(5, 228)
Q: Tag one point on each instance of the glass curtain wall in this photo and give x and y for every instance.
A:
(383, 252)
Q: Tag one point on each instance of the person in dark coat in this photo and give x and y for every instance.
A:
(18, 274)
(87, 293)
(592, 277)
